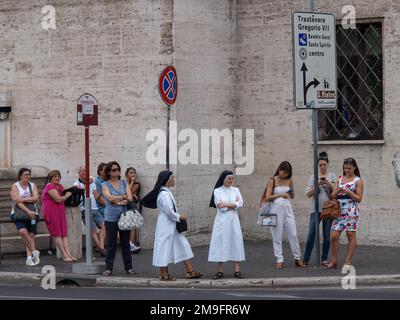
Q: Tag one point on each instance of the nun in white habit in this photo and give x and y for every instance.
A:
(169, 245)
(226, 238)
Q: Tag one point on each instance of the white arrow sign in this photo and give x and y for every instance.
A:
(314, 60)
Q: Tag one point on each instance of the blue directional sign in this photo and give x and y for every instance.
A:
(302, 39)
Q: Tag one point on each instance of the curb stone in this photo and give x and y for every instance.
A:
(34, 279)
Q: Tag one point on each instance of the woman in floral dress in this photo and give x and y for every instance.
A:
(349, 191)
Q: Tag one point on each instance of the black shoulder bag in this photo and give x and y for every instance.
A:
(181, 225)
(19, 214)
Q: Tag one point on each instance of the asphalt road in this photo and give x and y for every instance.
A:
(19, 292)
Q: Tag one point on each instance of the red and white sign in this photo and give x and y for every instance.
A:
(168, 85)
(87, 110)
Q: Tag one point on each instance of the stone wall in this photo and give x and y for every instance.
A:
(266, 103)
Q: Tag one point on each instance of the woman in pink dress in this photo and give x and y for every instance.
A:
(53, 210)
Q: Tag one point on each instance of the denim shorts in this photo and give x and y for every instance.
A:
(25, 225)
(96, 219)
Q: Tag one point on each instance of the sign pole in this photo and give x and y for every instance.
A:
(87, 115)
(168, 120)
(316, 186)
(87, 201)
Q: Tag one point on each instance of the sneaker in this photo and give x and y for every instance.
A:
(134, 248)
(29, 262)
(35, 257)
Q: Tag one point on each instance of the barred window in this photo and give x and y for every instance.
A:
(359, 113)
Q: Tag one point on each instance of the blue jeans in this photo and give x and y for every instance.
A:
(326, 230)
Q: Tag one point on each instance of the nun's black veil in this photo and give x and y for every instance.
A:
(219, 183)
(150, 199)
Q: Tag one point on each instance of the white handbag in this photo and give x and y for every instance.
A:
(265, 217)
(130, 219)
(138, 220)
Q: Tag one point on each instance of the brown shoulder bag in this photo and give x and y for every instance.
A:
(330, 209)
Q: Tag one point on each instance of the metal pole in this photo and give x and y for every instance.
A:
(87, 201)
(1, 252)
(316, 187)
(168, 118)
(312, 5)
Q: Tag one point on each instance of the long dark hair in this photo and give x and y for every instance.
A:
(353, 163)
(284, 166)
(108, 169)
(127, 171)
(100, 167)
(263, 196)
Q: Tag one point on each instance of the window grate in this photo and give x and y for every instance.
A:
(359, 114)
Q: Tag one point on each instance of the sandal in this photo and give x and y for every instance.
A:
(330, 265)
(279, 265)
(107, 273)
(238, 275)
(167, 277)
(324, 264)
(299, 263)
(218, 275)
(131, 272)
(193, 274)
(346, 267)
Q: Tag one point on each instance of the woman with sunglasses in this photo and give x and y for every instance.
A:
(349, 191)
(116, 195)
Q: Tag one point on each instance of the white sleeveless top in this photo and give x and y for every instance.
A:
(23, 193)
(281, 189)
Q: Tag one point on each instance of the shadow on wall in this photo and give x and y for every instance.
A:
(396, 167)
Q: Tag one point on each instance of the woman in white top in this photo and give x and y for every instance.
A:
(226, 238)
(169, 245)
(22, 193)
(279, 191)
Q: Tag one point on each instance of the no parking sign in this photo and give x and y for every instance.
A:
(168, 88)
(168, 85)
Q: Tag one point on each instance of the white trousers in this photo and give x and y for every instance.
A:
(285, 220)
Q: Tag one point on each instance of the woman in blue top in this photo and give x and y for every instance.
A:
(116, 195)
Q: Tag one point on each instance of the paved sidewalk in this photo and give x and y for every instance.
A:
(371, 262)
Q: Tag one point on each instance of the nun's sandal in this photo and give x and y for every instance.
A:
(167, 277)
(218, 275)
(193, 274)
